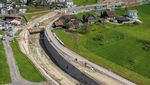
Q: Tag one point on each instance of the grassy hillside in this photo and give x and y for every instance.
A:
(1, 32)
(123, 49)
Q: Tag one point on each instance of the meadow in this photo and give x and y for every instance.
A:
(123, 49)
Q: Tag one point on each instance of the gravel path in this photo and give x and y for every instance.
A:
(16, 78)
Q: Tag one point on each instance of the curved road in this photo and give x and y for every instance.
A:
(71, 54)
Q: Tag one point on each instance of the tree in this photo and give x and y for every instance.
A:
(29, 2)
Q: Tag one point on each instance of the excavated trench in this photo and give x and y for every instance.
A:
(46, 62)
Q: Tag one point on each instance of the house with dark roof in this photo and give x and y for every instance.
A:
(89, 18)
(11, 18)
(68, 18)
(63, 21)
(122, 20)
(108, 14)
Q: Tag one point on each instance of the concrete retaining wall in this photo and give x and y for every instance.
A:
(66, 65)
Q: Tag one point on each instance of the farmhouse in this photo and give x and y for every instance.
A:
(12, 19)
(68, 18)
(108, 14)
(89, 18)
(122, 20)
(59, 23)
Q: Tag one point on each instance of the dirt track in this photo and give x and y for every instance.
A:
(42, 61)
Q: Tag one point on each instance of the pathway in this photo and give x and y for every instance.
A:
(16, 78)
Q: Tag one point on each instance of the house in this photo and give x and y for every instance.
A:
(11, 11)
(70, 4)
(8, 18)
(1, 5)
(132, 14)
(122, 20)
(108, 14)
(15, 22)
(2, 9)
(9, 1)
(68, 18)
(89, 18)
(18, 5)
(63, 21)
(23, 1)
(2, 25)
(59, 23)
(112, 2)
(22, 10)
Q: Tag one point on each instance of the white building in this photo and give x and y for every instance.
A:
(23, 1)
(2, 25)
(22, 10)
(2, 9)
(70, 4)
(133, 14)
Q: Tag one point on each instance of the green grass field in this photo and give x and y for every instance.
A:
(84, 2)
(26, 67)
(123, 49)
(1, 32)
(4, 69)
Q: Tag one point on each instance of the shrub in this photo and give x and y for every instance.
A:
(99, 37)
(145, 44)
(83, 30)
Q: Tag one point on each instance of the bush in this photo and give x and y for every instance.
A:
(145, 44)
(99, 37)
(121, 36)
(83, 30)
